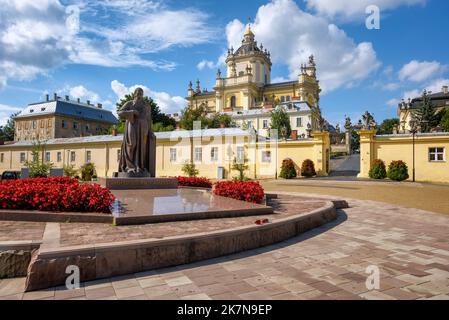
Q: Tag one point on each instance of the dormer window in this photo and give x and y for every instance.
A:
(42, 109)
(31, 110)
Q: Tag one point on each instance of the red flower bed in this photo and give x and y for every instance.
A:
(194, 182)
(241, 190)
(54, 194)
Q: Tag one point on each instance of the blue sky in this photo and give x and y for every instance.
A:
(100, 50)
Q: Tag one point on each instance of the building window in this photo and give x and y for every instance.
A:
(172, 155)
(59, 157)
(240, 154)
(282, 98)
(34, 124)
(288, 98)
(2, 157)
(19, 126)
(47, 157)
(72, 156)
(22, 157)
(265, 124)
(250, 124)
(266, 156)
(49, 124)
(88, 156)
(75, 125)
(214, 154)
(298, 122)
(436, 154)
(64, 124)
(42, 123)
(233, 102)
(198, 154)
(87, 127)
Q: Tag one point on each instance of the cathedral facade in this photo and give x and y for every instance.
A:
(246, 93)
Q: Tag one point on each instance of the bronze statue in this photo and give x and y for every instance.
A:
(138, 153)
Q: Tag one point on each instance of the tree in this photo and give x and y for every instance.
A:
(190, 115)
(425, 115)
(386, 127)
(189, 169)
(281, 121)
(161, 122)
(37, 167)
(221, 120)
(445, 120)
(7, 131)
(240, 166)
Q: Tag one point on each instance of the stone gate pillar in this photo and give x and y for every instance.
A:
(367, 155)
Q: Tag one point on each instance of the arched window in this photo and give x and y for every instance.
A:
(233, 102)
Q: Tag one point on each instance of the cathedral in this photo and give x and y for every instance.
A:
(247, 94)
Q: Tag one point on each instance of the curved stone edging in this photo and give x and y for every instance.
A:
(48, 266)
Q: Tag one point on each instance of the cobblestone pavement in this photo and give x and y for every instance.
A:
(409, 246)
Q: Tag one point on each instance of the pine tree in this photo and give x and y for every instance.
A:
(281, 121)
(425, 115)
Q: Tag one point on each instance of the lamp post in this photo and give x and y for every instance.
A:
(413, 131)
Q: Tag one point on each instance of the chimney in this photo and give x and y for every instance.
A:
(445, 89)
(78, 100)
(88, 102)
(114, 131)
(67, 98)
(47, 97)
(55, 96)
(99, 105)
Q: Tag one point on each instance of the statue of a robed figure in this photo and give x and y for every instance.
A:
(138, 153)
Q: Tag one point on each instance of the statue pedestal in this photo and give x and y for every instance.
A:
(138, 183)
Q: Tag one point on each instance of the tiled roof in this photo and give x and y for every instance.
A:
(69, 108)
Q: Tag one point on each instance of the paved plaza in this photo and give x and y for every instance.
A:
(409, 246)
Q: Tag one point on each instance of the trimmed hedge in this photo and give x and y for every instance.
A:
(308, 169)
(398, 171)
(378, 170)
(288, 170)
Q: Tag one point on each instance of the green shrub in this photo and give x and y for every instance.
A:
(70, 171)
(308, 169)
(37, 167)
(398, 171)
(378, 170)
(189, 169)
(87, 171)
(288, 170)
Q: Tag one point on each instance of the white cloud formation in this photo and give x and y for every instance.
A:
(348, 10)
(434, 86)
(340, 60)
(206, 64)
(83, 93)
(6, 111)
(393, 102)
(37, 36)
(418, 71)
(166, 102)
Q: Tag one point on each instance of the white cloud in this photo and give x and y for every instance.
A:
(206, 64)
(83, 93)
(38, 36)
(348, 10)
(418, 71)
(340, 60)
(433, 86)
(5, 112)
(392, 86)
(393, 102)
(166, 102)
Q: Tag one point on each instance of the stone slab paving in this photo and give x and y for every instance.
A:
(409, 246)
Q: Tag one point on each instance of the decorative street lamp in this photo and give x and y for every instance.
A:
(413, 131)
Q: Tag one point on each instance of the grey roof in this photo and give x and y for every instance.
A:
(159, 135)
(69, 108)
(298, 106)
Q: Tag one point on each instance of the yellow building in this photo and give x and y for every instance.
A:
(60, 118)
(247, 94)
(430, 156)
(440, 100)
(211, 150)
